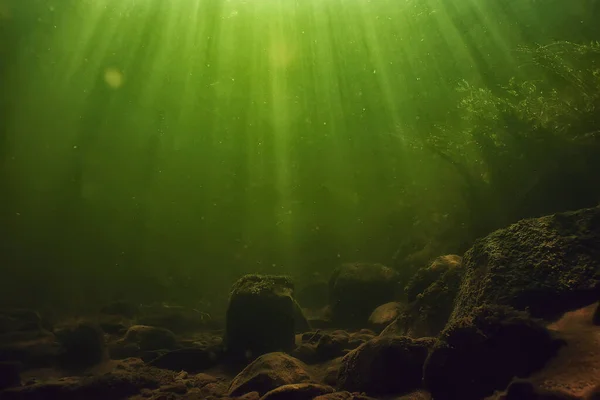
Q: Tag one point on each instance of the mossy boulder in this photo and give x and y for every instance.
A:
(426, 276)
(432, 292)
(356, 289)
(476, 355)
(262, 316)
(548, 266)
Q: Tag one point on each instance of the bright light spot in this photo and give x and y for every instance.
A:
(114, 78)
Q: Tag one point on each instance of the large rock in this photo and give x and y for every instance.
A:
(262, 316)
(432, 292)
(425, 277)
(267, 373)
(385, 365)
(476, 355)
(355, 290)
(548, 266)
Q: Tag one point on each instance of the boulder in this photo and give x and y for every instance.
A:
(297, 391)
(548, 266)
(476, 355)
(355, 290)
(385, 365)
(429, 310)
(425, 277)
(261, 317)
(269, 372)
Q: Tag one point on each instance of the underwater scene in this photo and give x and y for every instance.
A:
(299, 199)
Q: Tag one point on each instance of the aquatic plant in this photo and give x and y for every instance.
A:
(527, 148)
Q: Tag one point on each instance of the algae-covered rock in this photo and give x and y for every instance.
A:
(355, 290)
(432, 292)
(476, 355)
(269, 372)
(548, 266)
(425, 277)
(261, 317)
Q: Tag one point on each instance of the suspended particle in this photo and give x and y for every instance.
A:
(114, 78)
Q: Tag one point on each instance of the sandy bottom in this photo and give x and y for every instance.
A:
(576, 369)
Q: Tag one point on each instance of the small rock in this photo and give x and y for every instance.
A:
(150, 337)
(306, 353)
(331, 375)
(384, 315)
(268, 372)
(202, 379)
(113, 324)
(297, 391)
(332, 345)
(343, 396)
(311, 337)
(187, 359)
(178, 388)
(249, 396)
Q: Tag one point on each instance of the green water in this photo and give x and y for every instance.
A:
(160, 149)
